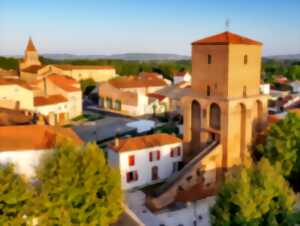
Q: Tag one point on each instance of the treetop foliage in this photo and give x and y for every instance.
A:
(77, 187)
(255, 196)
(15, 195)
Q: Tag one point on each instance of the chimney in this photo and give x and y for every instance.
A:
(45, 86)
(117, 141)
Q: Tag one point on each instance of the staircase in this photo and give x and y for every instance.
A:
(165, 195)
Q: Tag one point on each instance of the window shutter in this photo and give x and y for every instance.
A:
(150, 157)
(158, 155)
(172, 152)
(178, 151)
(131, 160)
(128, 177)
(136, 175)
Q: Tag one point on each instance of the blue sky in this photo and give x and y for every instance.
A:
(156, 26)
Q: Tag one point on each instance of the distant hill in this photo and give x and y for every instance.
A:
(125, 56)
(285, 57)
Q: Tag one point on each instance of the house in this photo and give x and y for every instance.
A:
(133, 95)
(295, 86)
(81, 72)
(182, 76)
(174, 93)
(16, 94)
(145, 160)
(24, 145)
(222, 116)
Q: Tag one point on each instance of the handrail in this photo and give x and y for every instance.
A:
(170, 181)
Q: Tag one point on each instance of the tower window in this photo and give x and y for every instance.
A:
(209, 59)
(245, 91)
(245, 59)
(208, 91)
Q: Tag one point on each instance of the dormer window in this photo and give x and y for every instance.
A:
(245, 59)
(209, 59)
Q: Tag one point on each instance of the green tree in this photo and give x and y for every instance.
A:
(77, 187)
(15, 195)
(255, 196)
(283, 145)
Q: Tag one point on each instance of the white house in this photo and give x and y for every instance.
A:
(182, 76)
(295, 86)
(265, 88)
(145, 160)
(24, 145)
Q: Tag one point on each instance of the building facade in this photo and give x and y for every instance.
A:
(145, 160)
(222, 116)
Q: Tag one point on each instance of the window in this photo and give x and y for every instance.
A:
(154, 171)
(131, 160)
(109, 103)
(154, 155)
(208, 91)
(132, 176)
(175, 152)
(209, 59)
(118, 105)
(175, 167)
(245, 91)
(245, 59)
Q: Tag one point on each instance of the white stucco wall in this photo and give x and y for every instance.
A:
(186, 78)
(143, 165)
(24, 161)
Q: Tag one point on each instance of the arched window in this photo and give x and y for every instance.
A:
(209, 59)
(246, 59)
(215, 116)
(208, 91)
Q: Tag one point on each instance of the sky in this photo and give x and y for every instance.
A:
(144, 26)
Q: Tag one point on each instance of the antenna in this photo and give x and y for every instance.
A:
(227, 24)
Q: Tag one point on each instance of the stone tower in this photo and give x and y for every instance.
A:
(225, 104)
(31, 57)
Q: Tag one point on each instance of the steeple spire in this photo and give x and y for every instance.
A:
(30, 46)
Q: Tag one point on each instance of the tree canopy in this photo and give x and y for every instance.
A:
(77, 187)
(15, 195)
(283, 145)
(255, 196)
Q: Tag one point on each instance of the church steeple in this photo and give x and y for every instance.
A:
(31, 57)
(30, 46)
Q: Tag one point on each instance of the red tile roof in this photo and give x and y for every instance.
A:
(156, 96)
(30, 46)
(142, 142)
(15, 82)
(33, 137)
(226, 38)
(53, 99)
(32, 69)
(66, 83)
(137, 81)
(181, 73)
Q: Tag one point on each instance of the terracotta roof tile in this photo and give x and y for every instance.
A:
(156, 96)
(142, 142)
(33, 137)
(181, 73)
(32, 69)
(66, 83)
(226, 38)
(15, 82)
(137, 81)
(52, 99)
